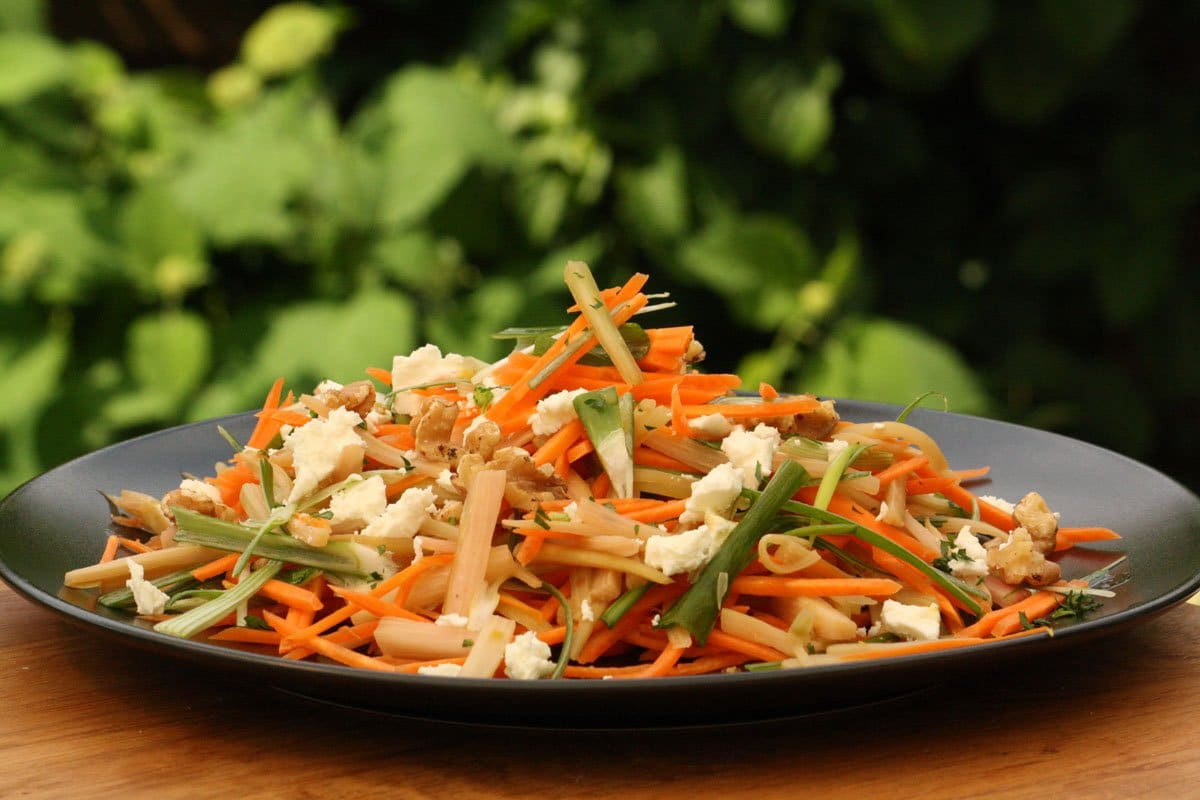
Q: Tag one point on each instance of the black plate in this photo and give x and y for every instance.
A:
(58, 521)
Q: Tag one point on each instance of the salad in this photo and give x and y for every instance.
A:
(590, 506)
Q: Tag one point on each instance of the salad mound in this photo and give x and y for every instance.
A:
(592, 505)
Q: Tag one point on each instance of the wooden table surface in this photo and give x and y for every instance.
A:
(81, 716)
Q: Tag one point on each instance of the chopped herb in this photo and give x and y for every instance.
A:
(468, 642)
(541, 518)
(299, 577)
(381, 549)
(257, 623)
(376, 576)
(483, 397)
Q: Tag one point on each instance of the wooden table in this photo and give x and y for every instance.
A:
(82, 717)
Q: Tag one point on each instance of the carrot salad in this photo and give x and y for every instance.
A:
(590, 506)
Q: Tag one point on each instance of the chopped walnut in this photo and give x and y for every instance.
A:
(432, 426)
(197, 501)
(358, 397)
(816, 424)
(526, 485)
(1018, 560)
(1032, 514)
(483, 439)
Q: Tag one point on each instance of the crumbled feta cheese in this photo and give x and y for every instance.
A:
(717, 426)
(554, 411)
(451, 621)
(327, 386)
(527, 658)
(969, 559)
(715, 492)
(657, 618)
(883, 511)
(402, 518)
(753, 451)
(149, 598)
(359, 504)
(443, 670)
(998, 502)
(571, 509)
(918, 623)
(376, 417)
(201, 490)
(879, 426)
(318, 446)
(586, 614)
(445, 481)
(834, 448)
(674, 553)
(418, 548)
(424, 366)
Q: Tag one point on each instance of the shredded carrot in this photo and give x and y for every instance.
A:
(900, 469)
(266, 428)
(214, 568)
(767, 392)
(558, 443)
(380, 374)
(110, 549)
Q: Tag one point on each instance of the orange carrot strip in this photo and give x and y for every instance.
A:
(291, 596)
(110, 548)
(553, 636)
(1070, 536)
(529, 548)
(1045, 602)
(265, 429)
(900, 469)
(247, 635)
(772, 586)
(661, 666)
(929, 485)
(1035, 604)
(679, 421)
(970, 474)
(719, 638)
(668, 510)
(601, 486)
(767, 392)
(133, 544)
(779, 408)
(987, 512)
(336, 652)
(558, 443)
(375, 605)
(580, 449)
(380, 374)
(848, 509)
(604, 637)
(214, 568)
(645, 457)
(414, 667)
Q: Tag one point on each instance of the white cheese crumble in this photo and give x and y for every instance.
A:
(883, 511)
(998, 502)
(715, 492)
(445, 481)
(149, 598)
(318, 446)
(969, 559)
(554, 411)
(674, 553)
(443, 670)
(834, 448)
(451, 621)
(918, 623)
(424, 366)
(527, 658)
(753, 451)
(717, 426)
(359, 504)
(586, 614)
(403, 518)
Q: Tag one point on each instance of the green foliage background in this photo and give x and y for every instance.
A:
(862, 198)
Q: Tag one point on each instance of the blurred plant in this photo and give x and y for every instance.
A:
(854, 197)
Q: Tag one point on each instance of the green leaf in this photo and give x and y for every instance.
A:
(934, 30)
(653, 200)
(164, 249)
(440, 127)
(57, 254)
(785, 111)
(767, 18)
(240, 181)
(23, 15)
(289, 37)
(541, 200)
(169, 352)
(29, 378)
(29, 65)
(882, 360)
(743, 255)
